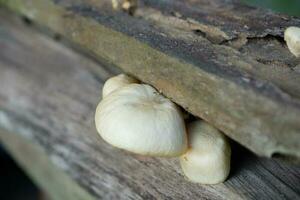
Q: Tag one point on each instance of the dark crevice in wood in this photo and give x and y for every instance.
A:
(199, 32)
(57, 37)
(268, 37)
(276, 63)
(26, 20)
(210, 38)
(249, 39)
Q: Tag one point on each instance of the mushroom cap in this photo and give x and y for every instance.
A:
(117, 82)
(137, 118)
(208, 159)
(292, 38)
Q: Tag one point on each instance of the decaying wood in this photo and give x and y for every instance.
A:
(220, 60)
(48, 95)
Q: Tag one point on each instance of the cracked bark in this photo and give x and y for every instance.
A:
(48, 96)
(222, 61)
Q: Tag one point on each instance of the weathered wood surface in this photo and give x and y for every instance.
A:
(48, 95)
(222, 61)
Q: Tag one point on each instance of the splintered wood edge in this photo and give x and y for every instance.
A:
(235, 111)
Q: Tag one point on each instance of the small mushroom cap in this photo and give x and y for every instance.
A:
(117, 82)
(115, 4)
(207, 161)
(139, 119)
(292, 38)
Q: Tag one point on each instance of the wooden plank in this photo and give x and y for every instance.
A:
(222, 61)
(37, 164)
(48, 95)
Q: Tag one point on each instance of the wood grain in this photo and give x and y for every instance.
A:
(220, 60)
(48, 95)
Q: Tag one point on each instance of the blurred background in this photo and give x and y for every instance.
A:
(290, 7)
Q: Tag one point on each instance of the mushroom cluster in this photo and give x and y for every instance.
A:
(137, 118)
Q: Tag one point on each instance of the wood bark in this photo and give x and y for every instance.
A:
(48, 96)
(223, 61)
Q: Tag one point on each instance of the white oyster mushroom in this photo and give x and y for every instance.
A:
(207, 160)
(138, 119)
(117, 82)
(292, 38)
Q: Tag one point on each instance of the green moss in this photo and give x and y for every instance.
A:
(291, 7)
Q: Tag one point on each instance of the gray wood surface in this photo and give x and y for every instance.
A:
(48, 96)
(220, 60)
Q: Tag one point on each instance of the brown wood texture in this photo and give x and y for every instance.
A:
(223, 61)
(48, 95)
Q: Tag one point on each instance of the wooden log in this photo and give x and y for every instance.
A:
(222, 61)
(48, 95)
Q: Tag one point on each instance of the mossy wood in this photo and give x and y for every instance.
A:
(48, 96)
